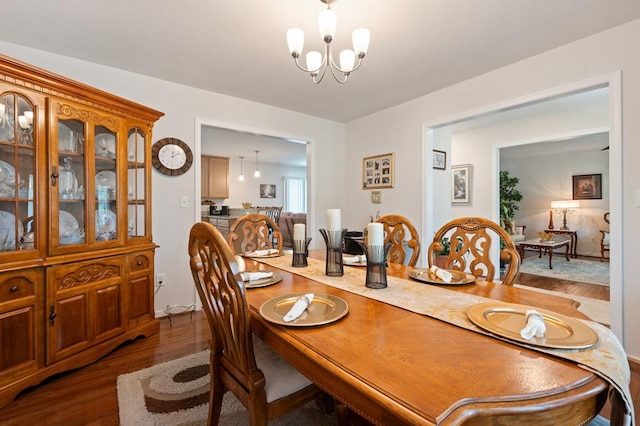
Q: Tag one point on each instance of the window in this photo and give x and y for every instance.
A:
(295, 195)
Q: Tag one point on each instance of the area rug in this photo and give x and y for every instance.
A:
(584, 271)
(597, 310)
(176, 393)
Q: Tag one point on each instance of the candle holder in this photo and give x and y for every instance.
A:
(333, 239)
(300, 252)
(376, 265)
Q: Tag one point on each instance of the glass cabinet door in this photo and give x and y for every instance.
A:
(136, 184)
(18, 133)
(106, 185)
(71, 182)
(84, 180)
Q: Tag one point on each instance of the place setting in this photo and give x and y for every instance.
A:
(257, 279)
(436, 275)
(355, 260)
(534, 326)
(264, 253)
(304, 309)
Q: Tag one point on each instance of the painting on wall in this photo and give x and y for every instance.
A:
(460, 184)
(267, 191)
(377, 171)
(439, 160)
(587, 187)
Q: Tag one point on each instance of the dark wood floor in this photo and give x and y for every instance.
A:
(87, 396)
(593, 291)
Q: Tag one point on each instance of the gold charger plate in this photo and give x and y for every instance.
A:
(255, 256)
(507, 319)
(425, 275)
(264, 282)
(324, 309)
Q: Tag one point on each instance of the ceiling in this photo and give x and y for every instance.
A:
(238, 47)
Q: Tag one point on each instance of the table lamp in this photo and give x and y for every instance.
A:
(564, 207)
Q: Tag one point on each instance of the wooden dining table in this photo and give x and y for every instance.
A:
(393, 366)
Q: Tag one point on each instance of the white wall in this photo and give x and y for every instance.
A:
(183, 106)
(400, 129)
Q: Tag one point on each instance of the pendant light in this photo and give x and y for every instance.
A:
(257, 172)
(241, 177)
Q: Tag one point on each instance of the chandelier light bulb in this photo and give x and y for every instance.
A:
(317, 62)
(257, 172)
(241, 177)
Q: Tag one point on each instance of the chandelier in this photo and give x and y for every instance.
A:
(317, 64)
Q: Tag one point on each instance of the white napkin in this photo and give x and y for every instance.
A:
(266, 252)
(355, 259)
(298, 308)
(444, 275)
(535, 325)
(255, 276)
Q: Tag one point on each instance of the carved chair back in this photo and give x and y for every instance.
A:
(396, 229)
(254, 232)
(471, 239)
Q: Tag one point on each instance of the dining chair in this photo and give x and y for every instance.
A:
(471, 240)
(240, 362)
(396, 227)
(253, 232)
(604, 239)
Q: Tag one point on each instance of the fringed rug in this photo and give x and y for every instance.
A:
(176, 393)
(584, 271)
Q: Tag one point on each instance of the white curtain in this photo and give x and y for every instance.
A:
(295, 195)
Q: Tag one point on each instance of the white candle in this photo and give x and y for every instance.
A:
(375, 234)
(333, 220)
(298, 232)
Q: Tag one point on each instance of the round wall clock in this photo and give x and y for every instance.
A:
(171, 156)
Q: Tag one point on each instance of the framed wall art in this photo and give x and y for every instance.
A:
(461, 184)
(267, 191)
(587, 187)
(376, 197)
(377, 171)
(439, 160)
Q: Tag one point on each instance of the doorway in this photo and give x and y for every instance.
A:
(488, 205)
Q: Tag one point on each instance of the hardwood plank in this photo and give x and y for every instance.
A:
(72, 398)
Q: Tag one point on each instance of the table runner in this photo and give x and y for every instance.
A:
(606, 358)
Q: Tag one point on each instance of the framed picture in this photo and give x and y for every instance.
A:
(439, 160)
(460, 184)
(267, 191)
(377, 171)
(376, 197)
(587, 187)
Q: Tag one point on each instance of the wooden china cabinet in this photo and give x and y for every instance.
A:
(76, 251)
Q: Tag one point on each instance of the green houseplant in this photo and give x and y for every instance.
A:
(509, 199)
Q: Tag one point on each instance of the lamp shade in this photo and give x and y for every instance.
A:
(295, 40)
(327, 22)
(565, 204)
(314, 61)
(347, 59)
(360, 39)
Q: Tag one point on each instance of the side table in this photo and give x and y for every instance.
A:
(573, 238)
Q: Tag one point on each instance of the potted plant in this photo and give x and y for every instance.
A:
(509, 199)
(446, 249)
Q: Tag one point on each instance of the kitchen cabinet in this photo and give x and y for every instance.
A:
(76, 250)
(215, 177)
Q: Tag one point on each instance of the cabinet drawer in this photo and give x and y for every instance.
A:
(139, 263)
(16, 286)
